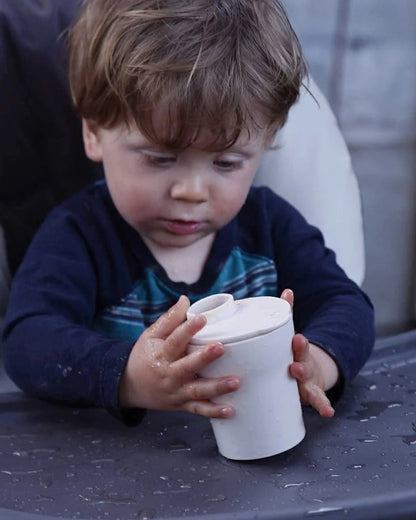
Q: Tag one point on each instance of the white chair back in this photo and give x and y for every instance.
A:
(311, 168)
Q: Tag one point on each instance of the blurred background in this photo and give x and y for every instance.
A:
(362, 54)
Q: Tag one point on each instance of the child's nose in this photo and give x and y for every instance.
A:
(191, 188)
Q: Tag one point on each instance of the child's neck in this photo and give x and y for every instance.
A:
(183, 264)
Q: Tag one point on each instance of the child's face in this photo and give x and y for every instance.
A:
(174, 199)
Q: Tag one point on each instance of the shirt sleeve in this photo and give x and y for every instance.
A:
(329, 308)
(49, 347)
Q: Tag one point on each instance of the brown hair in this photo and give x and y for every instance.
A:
(221, 65)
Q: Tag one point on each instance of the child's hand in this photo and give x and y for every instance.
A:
(160, 375)
(314, 370)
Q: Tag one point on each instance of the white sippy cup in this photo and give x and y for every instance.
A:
(257, 335)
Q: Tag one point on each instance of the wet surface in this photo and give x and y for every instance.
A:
(60, 462)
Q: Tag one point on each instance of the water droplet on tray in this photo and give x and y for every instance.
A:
(372, 409)
(325, 511)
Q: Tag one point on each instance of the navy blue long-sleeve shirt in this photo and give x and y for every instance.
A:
(88, 286)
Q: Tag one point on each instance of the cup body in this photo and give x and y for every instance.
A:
(267, 416)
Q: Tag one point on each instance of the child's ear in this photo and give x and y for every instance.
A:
(92, 142)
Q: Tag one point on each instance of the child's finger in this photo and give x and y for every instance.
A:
(209, 409)
(301, 371)
(203, 389)
(177, 342)
(318, 399)
(186, 367)
(288, 295)
(167, 323)
(300, 348)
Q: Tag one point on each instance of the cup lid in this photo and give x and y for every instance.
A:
(230, 320)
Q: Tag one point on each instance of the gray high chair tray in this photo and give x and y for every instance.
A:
(60, 462)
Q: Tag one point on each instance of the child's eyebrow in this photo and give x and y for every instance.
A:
(246, 154)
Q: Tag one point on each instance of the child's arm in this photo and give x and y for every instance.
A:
(331, 311)
(77, 265)
(160, 375)
(50, 351)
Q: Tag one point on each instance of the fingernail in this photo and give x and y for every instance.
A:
(232, 384)
(199, 319)
(226, 412)
(216, 348)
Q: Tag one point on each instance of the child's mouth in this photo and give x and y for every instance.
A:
(182, 227)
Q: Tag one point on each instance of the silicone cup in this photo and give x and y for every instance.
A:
(267, 417)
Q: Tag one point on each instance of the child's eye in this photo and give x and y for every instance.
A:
(156, 159)
(228, 164)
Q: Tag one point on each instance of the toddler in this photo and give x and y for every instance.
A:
(178, 100)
